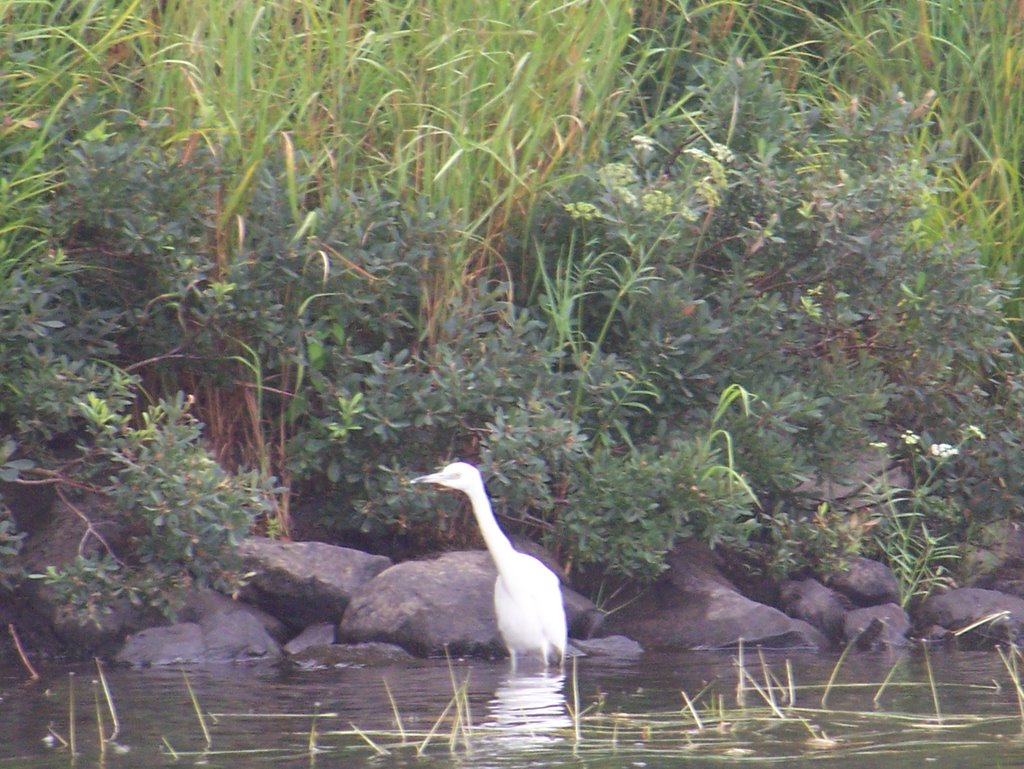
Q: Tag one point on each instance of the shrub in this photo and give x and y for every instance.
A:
(629, 511)
(793, 252)
(179, 514)
(53, 343)
(739, 242)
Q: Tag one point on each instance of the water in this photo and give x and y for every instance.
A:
(635, 714)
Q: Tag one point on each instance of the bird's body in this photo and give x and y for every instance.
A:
(527, 594)
(531, 617)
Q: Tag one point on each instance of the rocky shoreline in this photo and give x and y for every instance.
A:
(326, 605)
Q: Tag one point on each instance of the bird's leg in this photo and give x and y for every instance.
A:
(512, 654)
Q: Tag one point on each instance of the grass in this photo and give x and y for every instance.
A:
(469, 109)
(476, 106)
(970, 56)
(479, 108)
(960, 61)
(475, 110)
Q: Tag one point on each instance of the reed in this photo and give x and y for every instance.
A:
(1011, 661)
(72, 732)
(100, 726)
(969, 57)
(770, 727)
(197, 710)
(476, 106)
(933, 688)
(574, 710)
(100, 686)
(835, 673)
(312, 748)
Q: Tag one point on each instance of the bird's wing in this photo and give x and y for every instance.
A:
(545, 594)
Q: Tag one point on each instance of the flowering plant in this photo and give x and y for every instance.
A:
(909, 517)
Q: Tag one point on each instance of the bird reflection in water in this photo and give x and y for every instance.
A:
(530, 706)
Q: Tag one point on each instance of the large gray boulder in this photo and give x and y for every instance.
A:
(995, 557)
(320, 634)
(304, 583)
(693, 606)
(427, 607)
(811, 601)
(443, 603)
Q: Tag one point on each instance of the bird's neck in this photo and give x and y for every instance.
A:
(497, 543)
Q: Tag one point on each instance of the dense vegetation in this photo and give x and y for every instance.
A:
(663, 271)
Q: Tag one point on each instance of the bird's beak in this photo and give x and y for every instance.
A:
(432, 478)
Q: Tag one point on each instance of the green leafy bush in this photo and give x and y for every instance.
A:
(178, 513)
(791, 252)
(735, 241)
(53, 343)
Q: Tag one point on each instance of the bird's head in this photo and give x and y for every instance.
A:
(458, 475)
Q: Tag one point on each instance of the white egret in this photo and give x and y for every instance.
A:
(527, 594)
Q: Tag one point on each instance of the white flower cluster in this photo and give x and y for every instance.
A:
(943, 450)
(937, 450)
(643, 143)
(909, 438)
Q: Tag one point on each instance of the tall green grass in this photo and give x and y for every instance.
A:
(473, 104)
(971, 56)
(470, 109)
(51, 55)
(961, 60)
(481, 105)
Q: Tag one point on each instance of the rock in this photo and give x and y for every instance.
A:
(204, 604)
(320, 634)
(429, 606)
(693, 606)
(221, 632)
(444, 603)
(236, 637)
(812, 602)
(583, 616)
(995, 558)
(957, 609)
(866, 583)
(350, 655)
(1007, 578)
(303, 583)
(874, 627)
(45, 622)
(77, 638)
(609, 646)
(169, 645)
